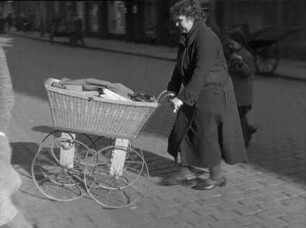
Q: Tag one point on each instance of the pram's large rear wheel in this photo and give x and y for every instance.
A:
(116, 191)
(55, 180)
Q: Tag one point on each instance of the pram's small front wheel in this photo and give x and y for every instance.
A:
(56, 180)
(110, 189)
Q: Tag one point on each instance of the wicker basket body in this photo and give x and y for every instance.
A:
(78, 112)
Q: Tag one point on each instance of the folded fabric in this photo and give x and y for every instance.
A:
(104, 89)
(108, 94)
(96, 83)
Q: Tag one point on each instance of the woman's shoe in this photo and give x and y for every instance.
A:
(177, 181)
(209, 183)
(183, 177)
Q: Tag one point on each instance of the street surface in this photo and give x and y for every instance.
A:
(266, 192)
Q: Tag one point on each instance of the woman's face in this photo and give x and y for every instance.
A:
(183, 23)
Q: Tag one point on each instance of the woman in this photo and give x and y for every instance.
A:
(242, 69)
(207, 127)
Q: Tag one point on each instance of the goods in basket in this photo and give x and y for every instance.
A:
(142, 97)
(100, 88)
(104, 89)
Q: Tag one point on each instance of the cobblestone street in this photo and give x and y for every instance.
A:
(267, 192)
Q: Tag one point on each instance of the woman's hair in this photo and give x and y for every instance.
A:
(188, 8)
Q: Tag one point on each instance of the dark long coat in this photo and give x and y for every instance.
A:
(207, 127)
(242, 77)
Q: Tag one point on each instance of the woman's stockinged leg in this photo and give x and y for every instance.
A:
(216, 172)
(216, 179)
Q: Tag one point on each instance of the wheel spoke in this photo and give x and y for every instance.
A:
(117, 191)
(54, 180)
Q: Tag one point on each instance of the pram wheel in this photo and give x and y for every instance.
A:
(55, 180)
(111, 190)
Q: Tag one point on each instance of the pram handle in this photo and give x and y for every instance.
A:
(163, 95)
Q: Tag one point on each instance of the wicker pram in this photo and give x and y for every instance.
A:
(79, 112)
(68, 165)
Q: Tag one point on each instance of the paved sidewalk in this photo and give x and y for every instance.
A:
(287, 69)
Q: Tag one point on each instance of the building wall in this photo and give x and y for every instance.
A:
(150, 20)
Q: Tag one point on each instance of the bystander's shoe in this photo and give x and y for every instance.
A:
(250, 131)
(207, 184)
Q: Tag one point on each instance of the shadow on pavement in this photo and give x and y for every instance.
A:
(22, 155)
(158, 166)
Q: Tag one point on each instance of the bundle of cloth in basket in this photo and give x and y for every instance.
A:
(104, 89)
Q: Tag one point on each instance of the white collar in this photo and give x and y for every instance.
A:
(2, 134)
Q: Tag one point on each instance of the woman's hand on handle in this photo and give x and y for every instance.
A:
(175, 104)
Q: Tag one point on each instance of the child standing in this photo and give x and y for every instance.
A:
(242, 69)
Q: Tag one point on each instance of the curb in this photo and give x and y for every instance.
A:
(172, 59)
(284, 77)
(101, 49)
